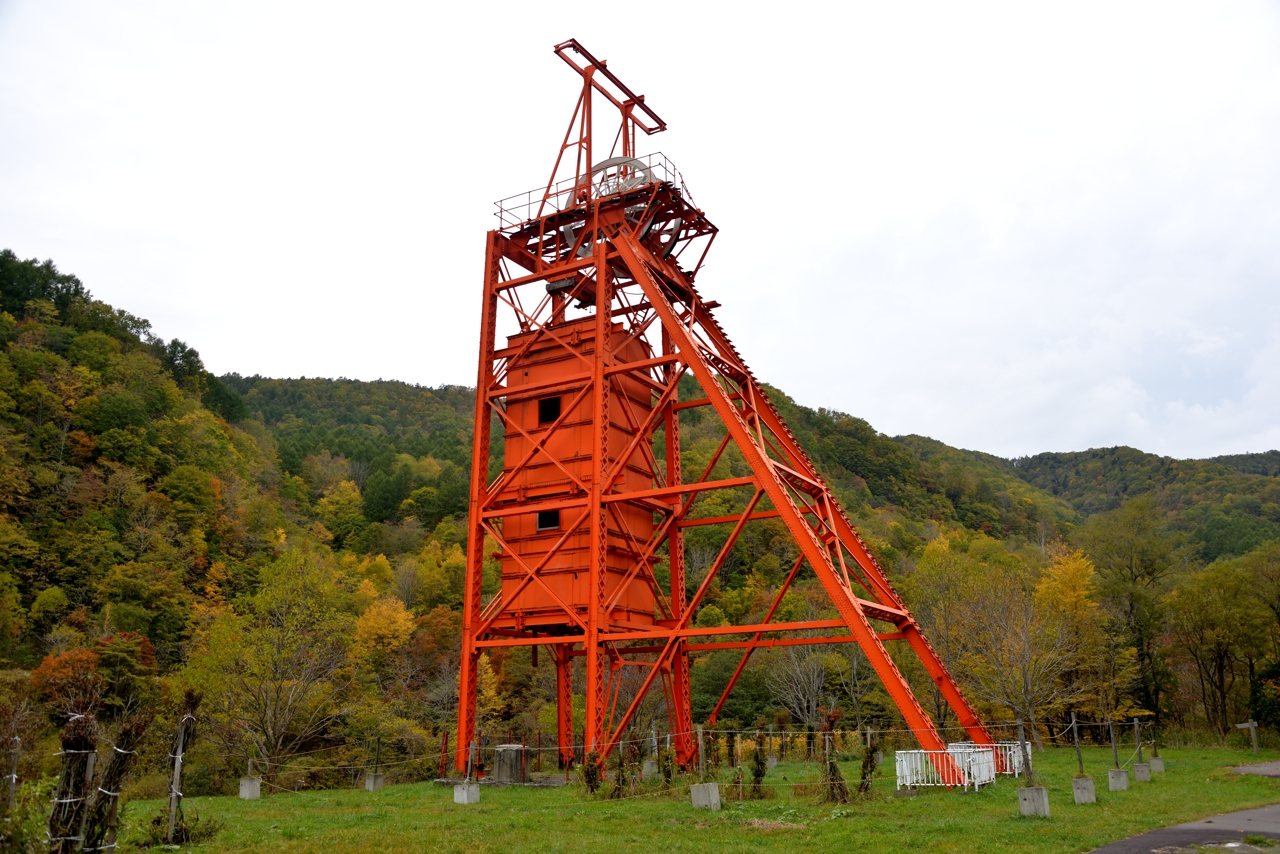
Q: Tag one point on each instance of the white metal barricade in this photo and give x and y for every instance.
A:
(957, 766)
(1008, 755)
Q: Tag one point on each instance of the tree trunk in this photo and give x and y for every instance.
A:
(99, 827)
(79, 742)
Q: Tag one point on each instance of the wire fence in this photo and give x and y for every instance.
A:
(708, 753)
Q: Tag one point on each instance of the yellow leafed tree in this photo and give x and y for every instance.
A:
(1104, 667)
(384, 628)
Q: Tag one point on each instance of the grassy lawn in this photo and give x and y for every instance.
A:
(423, 817)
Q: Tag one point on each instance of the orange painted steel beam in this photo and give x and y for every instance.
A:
(721, 520)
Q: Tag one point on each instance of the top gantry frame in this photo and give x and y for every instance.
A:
(620, 240)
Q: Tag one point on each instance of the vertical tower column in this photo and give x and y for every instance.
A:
(564, 704)
(597, 673)
(479, 492)
(681, 715)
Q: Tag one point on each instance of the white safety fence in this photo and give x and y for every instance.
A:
(957, 766)
(1008, 755)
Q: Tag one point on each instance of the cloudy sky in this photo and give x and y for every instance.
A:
(1012, 227)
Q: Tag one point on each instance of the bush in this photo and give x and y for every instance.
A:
(187, 832)
(591, 772)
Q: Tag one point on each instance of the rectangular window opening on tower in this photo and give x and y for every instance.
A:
(549, 520)
(548, 410)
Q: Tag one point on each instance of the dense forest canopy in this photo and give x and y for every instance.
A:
(163, 523)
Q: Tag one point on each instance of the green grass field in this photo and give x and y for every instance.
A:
(423, 817)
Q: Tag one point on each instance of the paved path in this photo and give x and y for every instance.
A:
(1232, 827)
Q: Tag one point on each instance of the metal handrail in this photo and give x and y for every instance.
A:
(617, 177)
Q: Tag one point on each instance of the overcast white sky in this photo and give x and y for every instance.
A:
(1013, 227)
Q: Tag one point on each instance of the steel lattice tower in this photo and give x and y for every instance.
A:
(592, 279)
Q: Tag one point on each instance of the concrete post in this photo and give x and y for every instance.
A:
(1252, 726)
(508, 764)
(468, 792)
(1033, 801)
(373, 781)
(1141, 770)
(1156, 763)
(705, 796)
(1081, 787)
(250, 786)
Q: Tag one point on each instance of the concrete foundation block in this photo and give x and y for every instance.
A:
(1118, 779)
(705, 796)
(879, 757)
(1082, 788)
(771, 762)
(1157, 764)
(905, 793)
(1142, 772)
(648, 770)
(466, 793)
(1033, 801)
(250, 788)
(509, 765)
(374, 782)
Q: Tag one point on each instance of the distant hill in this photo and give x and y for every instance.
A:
(1268, 463)
(1225, 506)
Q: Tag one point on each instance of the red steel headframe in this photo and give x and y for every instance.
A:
(620, 242)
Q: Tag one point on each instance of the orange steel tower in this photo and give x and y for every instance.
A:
(589, 281)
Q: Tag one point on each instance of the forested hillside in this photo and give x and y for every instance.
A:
(1225, 506)
(244, 537)
(123, 497)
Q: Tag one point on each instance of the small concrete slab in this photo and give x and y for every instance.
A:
(1142, 772)
(466, 793)
(705, 796)
(1033, 801)
(1082, 788)
(905, 793)
(1157, 764)
(649, 770)
(374, 782)
(771, 762)
(250, 788)
(1118, 779)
